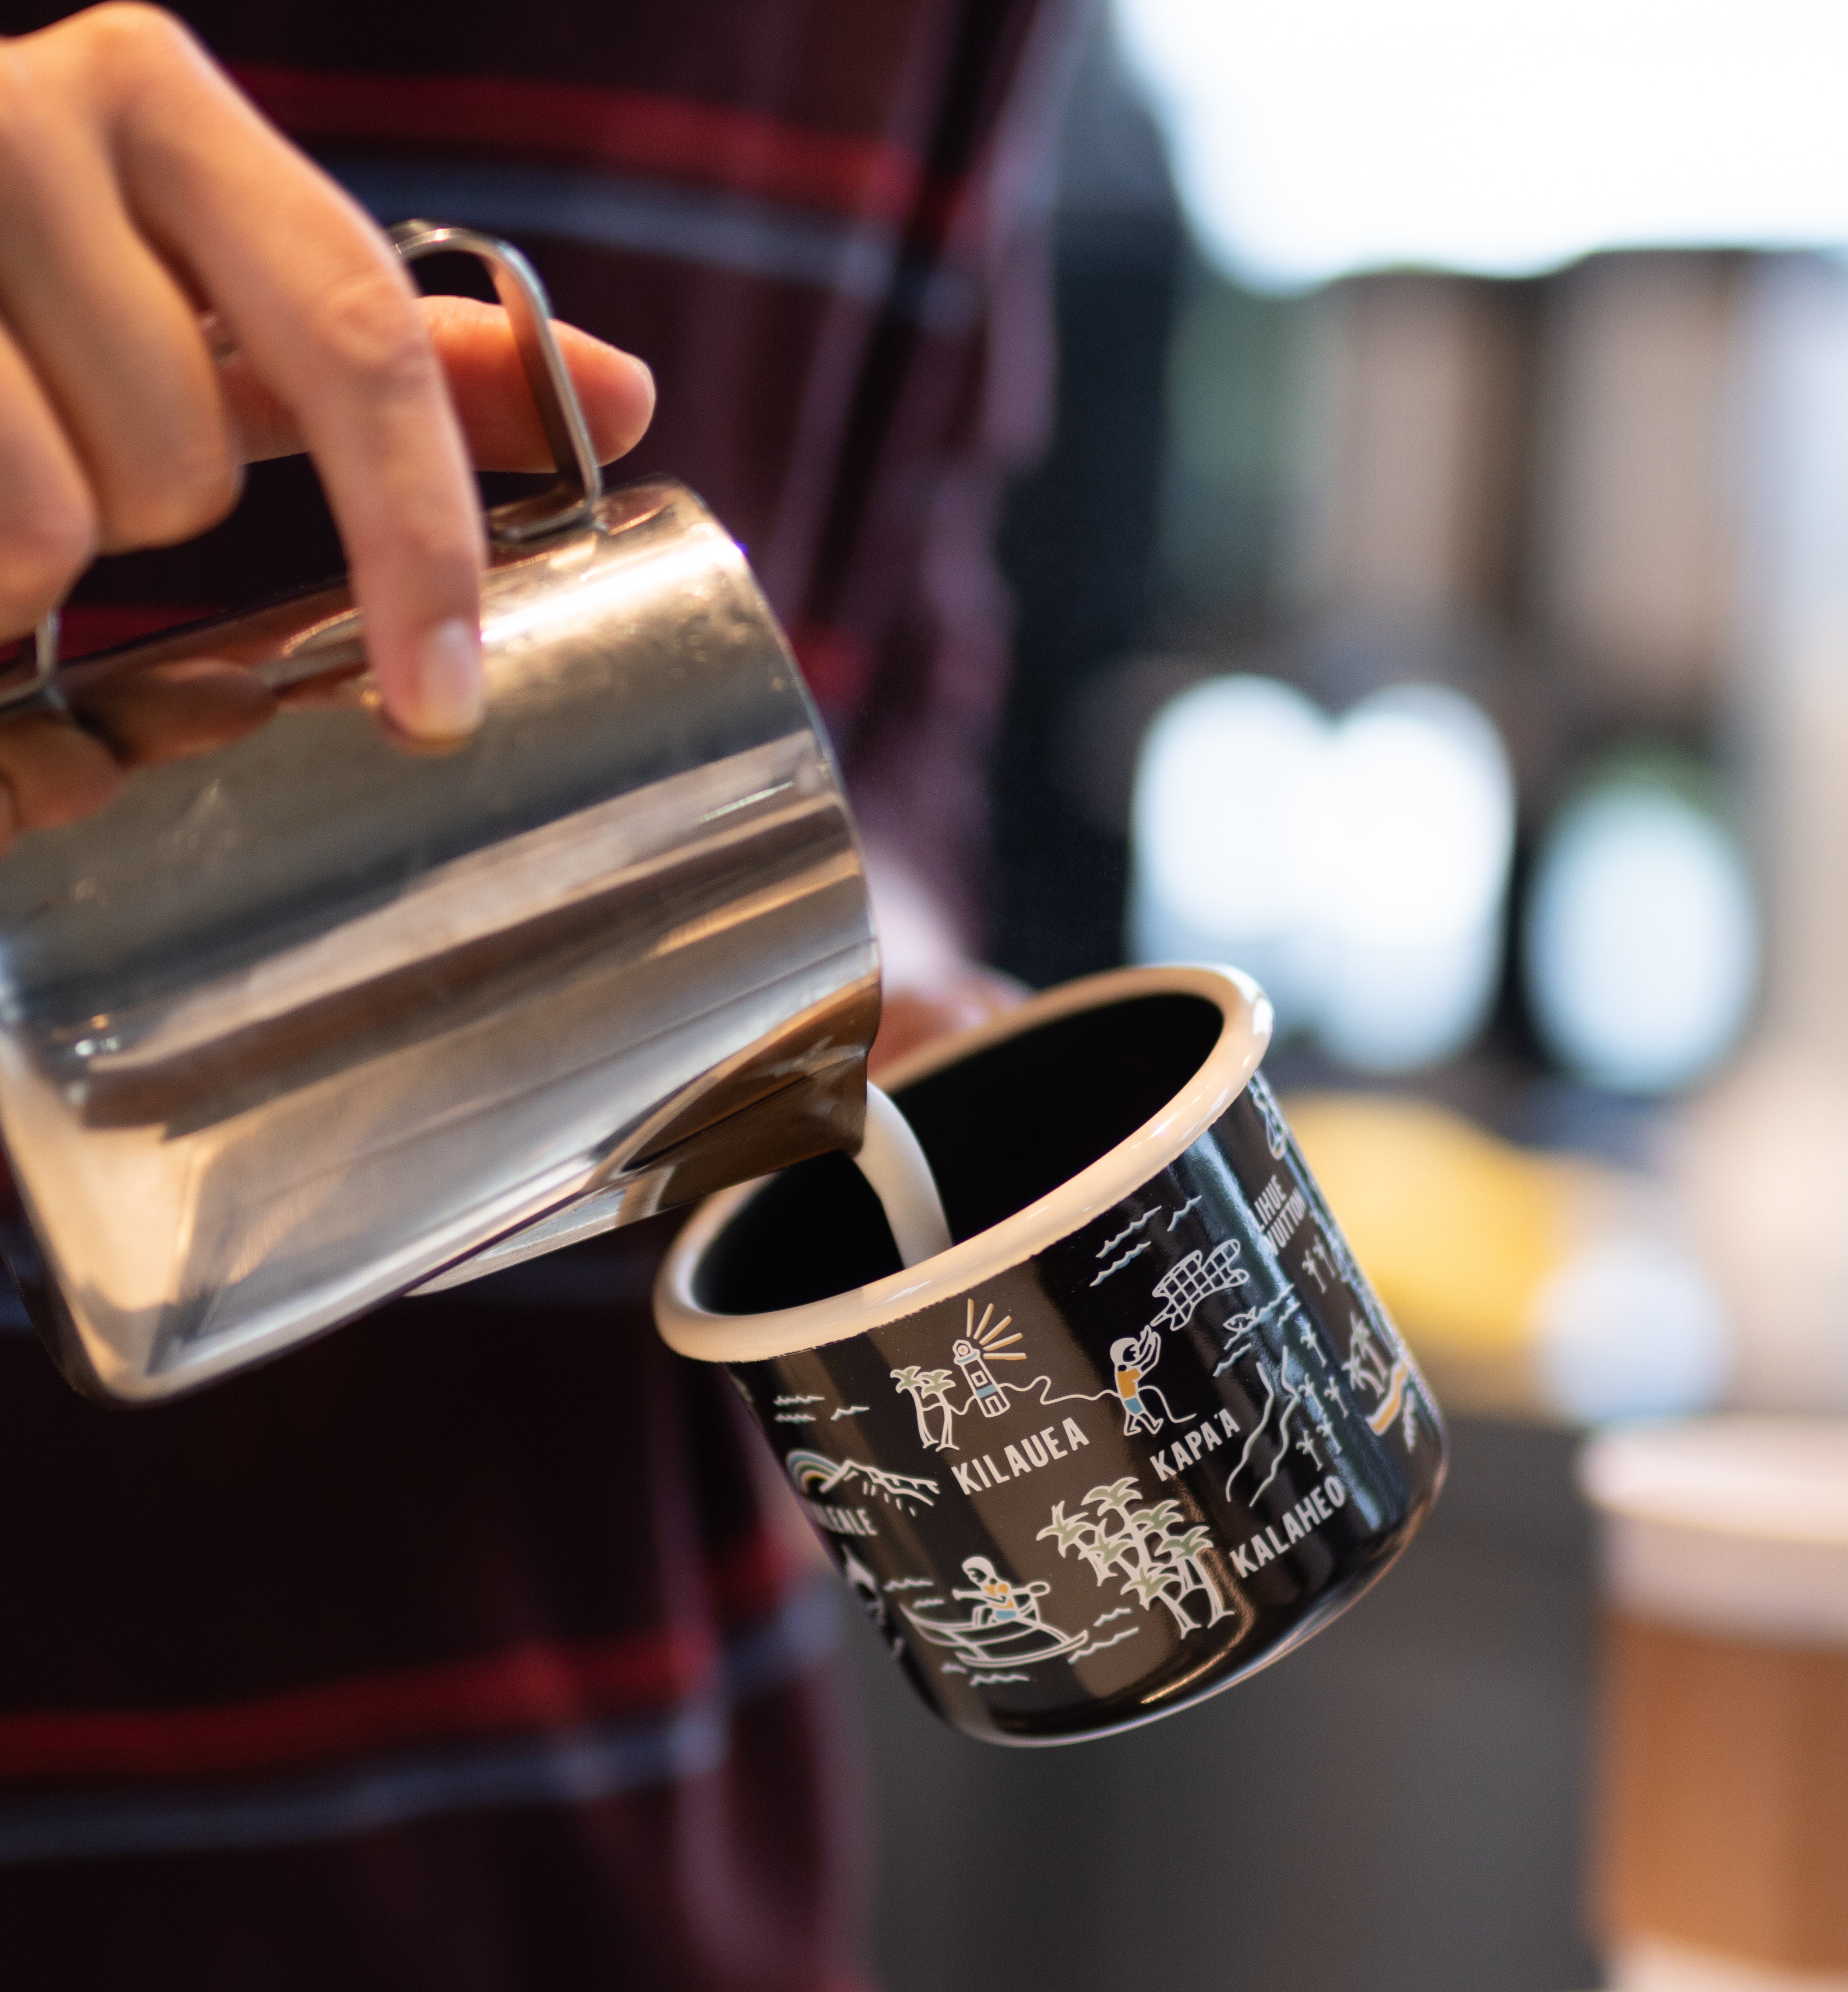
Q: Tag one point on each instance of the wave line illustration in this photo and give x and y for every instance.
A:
(1102, 1645)
(1117, 1265)
(1129, 1230)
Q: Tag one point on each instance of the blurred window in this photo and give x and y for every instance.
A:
(1316, 139)
(1642, 948)
(1359, 870)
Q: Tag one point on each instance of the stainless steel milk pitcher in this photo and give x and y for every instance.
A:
(306, 1021)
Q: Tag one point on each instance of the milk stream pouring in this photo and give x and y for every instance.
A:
(892, 1160)
(302, 1022)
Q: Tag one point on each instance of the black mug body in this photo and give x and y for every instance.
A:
(1158, 1430)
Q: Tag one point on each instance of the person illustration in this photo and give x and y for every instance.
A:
(1003, 1627)
(997, 1601)
(1131, 1358)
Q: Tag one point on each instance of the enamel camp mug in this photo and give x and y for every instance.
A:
(1140, 1429)
(302, 1022)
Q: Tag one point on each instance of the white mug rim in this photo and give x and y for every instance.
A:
(1245, 1032)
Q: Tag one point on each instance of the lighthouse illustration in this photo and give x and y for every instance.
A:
(975, 1349)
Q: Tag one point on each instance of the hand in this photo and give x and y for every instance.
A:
(958, 999)
(183, 292)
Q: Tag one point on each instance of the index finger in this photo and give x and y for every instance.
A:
(317, 299)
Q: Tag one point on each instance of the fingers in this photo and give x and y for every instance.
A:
(499, 417)
(48, 525)
(144, 201)
(362, 377)
(912, 1018)
(315, 299)
(113, 344)
(500, 423)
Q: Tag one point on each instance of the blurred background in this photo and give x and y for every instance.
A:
(1435, 600)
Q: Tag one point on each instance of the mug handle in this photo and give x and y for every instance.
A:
(572, 501)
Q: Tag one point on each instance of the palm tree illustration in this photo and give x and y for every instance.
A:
(930, 1391)
(1158, 1560)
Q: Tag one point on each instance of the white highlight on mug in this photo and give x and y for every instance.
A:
(892, 1160)
(1358, 870)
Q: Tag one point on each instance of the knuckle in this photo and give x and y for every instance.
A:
(370, 332)
(132, 35)
(84, 69)
(193, 492)
(22, 111)
(131, 52)
(438, 562)
(41, 552)
(444, 542)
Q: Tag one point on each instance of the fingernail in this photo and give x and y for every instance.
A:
(449, 691)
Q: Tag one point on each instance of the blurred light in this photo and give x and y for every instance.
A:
(1229, 826)
(1413, 909)
(1641, 941)
(1334, 136)
(1358, 870)
(1631, 1328)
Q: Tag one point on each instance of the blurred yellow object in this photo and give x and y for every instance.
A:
(1459, 1232)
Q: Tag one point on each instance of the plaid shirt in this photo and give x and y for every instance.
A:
(468, 1648)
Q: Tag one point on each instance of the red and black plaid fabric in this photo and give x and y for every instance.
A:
(468, 1647)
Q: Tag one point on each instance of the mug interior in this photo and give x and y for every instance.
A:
(1001, 1128)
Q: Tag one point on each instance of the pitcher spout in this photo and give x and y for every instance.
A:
(797, 1093)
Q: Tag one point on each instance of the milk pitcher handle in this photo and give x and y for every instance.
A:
(41, 684)
(571, 501)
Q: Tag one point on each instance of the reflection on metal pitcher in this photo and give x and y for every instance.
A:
(293, 1021)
